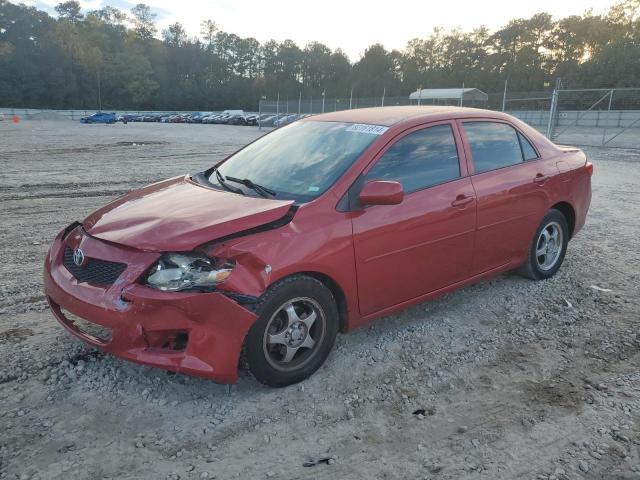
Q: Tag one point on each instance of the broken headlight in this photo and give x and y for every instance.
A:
(187, 271)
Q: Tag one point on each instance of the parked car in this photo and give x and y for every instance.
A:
(236, 119)
(222, 118)
(267, 120)
(100, 117)
(198, 117)
(130, 118)
(251, 119)
(285, 120)
(316, 228)
(210, 118)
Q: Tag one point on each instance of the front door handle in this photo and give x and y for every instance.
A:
(461, 200)
(540, 178)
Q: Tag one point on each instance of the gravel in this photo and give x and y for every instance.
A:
(510, 378)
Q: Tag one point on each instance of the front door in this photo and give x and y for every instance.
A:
(426, 242)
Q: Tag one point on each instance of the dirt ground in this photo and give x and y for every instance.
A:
(506, 379)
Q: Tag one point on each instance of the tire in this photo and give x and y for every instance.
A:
(295, 331)
(540, 266)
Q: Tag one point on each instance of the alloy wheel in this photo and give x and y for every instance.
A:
(293, 333)
(549, 246)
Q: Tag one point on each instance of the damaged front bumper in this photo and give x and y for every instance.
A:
(189, 332)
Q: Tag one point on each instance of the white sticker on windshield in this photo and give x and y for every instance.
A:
(366, 128)
(314, 189)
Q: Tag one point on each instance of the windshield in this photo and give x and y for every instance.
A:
(299, 161)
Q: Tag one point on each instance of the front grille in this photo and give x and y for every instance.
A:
(96, 271)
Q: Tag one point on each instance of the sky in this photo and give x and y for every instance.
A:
(348, 24)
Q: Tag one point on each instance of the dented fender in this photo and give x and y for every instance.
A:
(306, 244)
(252, 272)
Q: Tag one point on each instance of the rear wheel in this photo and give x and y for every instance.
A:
(295, 331)
(548, 247)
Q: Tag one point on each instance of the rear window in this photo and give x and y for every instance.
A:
(493, 145)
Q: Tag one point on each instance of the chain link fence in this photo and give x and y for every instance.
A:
(594, 117)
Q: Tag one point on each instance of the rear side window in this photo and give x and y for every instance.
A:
(493, 145)
(528, 152)
(421, 159)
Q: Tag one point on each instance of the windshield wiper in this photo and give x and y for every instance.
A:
(264, 191)
(221, 181)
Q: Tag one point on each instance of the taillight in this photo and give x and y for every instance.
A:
(589, 167)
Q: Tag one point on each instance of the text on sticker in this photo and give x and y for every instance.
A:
(365, 128)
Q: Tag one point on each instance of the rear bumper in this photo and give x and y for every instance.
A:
(144, 322)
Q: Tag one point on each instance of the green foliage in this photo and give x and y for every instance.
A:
(79, 60)
(69, 10)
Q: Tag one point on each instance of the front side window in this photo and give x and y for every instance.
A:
(421, 159)
(300, 161)
(493, 145)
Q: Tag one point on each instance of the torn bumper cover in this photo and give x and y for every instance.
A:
(190, 332)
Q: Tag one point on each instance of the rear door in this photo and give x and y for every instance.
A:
(424, 243)
(511, 184)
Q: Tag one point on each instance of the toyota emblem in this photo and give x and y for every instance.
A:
(78, 257)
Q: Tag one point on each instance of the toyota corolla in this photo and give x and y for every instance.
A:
(316, 228)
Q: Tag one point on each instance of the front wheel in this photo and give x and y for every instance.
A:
(548, 247)
(295, 331)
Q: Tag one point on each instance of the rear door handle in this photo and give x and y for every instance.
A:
(461, 201)
(540, 178)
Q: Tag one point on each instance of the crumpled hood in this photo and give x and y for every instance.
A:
(178, 215)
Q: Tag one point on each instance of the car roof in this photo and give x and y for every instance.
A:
(389, 116)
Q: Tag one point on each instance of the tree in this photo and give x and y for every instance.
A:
(208, 30)
(338, 75)
(626, 11)
(69, 10)
(133, 74)
(375, 72)
(143, 21)
(316, 60)
(109, 15)
(75, 61)
(175, 35)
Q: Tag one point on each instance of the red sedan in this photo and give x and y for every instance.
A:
(318, 227)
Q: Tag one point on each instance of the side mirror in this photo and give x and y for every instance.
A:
(381, 192)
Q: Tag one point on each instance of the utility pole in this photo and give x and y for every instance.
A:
(99, 92)
(300, 102)
(553, 110)
(419, 94)
(604, 132)
(504, 96)
(323, 101)
(384, 92)
(351, 98)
